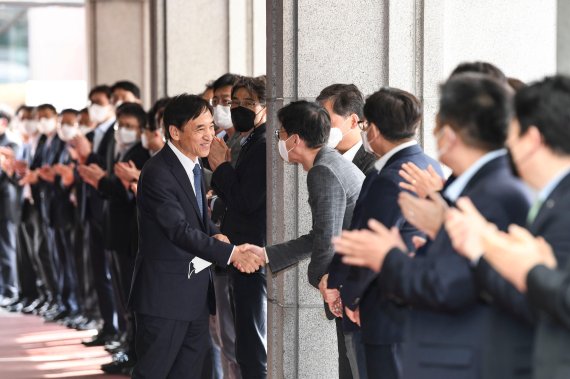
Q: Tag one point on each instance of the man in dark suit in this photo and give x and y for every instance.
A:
(344, 103)
(392, 117)
(8, 217)
(243, 191)
(458, 324)
(172, 290)
(540, 148)
(120, 225)
(96, 152)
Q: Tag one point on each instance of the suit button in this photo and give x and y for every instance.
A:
(356, 301)
(340, 286)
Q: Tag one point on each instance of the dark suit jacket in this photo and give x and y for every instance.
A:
(549, 290)
(171, 233)
(382, 321)
(243, 191)
(50, 194)
(120, 214)
(8, 187)
(364, 161)
(455, 328)
(91, 200)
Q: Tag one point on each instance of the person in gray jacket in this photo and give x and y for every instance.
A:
(333, 183)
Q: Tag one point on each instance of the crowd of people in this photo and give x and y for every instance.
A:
(130, 221)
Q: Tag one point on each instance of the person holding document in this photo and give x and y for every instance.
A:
(172, 289)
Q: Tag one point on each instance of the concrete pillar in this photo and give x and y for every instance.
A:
(563, 38)
(371, 44)
(119, 41)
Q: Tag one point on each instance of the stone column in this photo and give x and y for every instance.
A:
(309, 46)
(119, 42)
(563, 38)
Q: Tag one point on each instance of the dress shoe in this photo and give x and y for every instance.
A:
(55, 314)
(88, 324)
(113, 346)
(122, 364)
(7, 301)
(17, 307)
(100, 339)
(32, 306)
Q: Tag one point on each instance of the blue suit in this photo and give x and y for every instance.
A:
(382, 320)
(456, 327)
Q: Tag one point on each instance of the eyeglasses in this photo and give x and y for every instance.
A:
(363, 125)
(278, 133)
(243, 103)
(224, 102)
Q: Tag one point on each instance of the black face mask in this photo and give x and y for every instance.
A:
(512, 164)
(243, 119)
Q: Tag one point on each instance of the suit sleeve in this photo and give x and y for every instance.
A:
(441, 279)
(244, 193)
(159, 201)
(549, 291)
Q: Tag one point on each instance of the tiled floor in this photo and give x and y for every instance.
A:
(31, 348)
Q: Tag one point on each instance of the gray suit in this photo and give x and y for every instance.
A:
(333, 184)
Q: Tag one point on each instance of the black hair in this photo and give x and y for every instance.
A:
(69, 110)
(478, 107)
(84, 110)
(482, 68)
(46, 106)
(546, 105)
(225, 80)
(253, 85)
(182, 108)
(346, 99)
(127, 86)
(134, 110)
(516, 84)
(103, 88)
(307, 119)
(6, 116)
(395, 112)
(156, 110)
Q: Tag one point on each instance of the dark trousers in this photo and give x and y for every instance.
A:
(248, 294)
(28, 274)
(31, 241)
(8, 270)
(85, 284)
(51, 270)
(383, 361)
(171, 349)
(123, 267)
(344, 371)
(67, 269)
(100, 266)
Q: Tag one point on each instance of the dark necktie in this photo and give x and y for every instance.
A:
(198, 187)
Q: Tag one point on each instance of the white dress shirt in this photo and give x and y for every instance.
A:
(380, 163)
(351, 153)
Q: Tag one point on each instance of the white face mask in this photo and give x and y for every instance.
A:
(223, 117)
(335, 137)
(47, 125)
(67, 132)
(126, 136)
(30, 127)
(366, 143)
(144, 140)
(98, 113)
(283, 152)
(84, 129)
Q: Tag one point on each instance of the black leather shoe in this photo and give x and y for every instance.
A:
(122, 364)
(7, 301)
(87, 324)
(33, 306)
(100, 339)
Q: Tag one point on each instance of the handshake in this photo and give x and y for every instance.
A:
(246, 258)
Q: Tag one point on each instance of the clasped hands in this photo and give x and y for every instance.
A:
(246, 258)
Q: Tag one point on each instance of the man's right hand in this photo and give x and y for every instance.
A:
(245, 260)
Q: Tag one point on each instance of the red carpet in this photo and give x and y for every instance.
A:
(31, 348)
